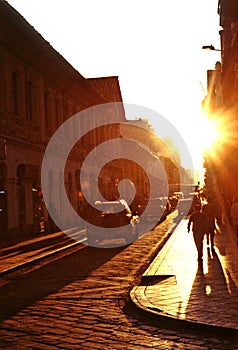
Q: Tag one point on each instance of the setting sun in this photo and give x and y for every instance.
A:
(209, 133)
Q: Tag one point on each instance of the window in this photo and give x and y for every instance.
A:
(3, 86)
(15, 93)
(46, 111)
(29, 100)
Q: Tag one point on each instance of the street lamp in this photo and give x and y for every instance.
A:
(210, 47)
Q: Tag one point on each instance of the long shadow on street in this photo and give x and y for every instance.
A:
(22, 290)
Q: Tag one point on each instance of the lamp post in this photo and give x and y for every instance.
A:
(214, 81)
(210, 47)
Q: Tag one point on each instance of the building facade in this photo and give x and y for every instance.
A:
(39, 90)
(222, 104)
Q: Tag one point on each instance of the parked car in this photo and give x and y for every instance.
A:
(179, 195)
(173, 200)
(167, 207)
(114, 219)
(160, 208)
(187, 205)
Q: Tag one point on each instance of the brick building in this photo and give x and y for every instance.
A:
(39, 90)
(222, 103)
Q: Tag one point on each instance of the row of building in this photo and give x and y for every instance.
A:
(222, 104)
(39, 91)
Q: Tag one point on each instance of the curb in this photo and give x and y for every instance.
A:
(143, 268)
(160, 319)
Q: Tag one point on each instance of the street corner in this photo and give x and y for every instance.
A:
(157, 295)
(160, 302)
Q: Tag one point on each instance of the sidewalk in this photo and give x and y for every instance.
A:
(174, 288)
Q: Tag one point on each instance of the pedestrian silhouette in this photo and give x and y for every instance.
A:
(198, 221)
(210, 210)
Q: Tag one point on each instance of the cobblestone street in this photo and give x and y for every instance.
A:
(77, 302)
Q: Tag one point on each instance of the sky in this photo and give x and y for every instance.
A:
(154, 47)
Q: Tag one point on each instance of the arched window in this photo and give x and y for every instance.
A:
(3, 200)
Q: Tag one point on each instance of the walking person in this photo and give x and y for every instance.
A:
(234, 216)
(198, 221)
(211, 213)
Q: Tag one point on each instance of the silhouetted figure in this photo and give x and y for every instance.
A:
(211, 213)
(198, 221)
(234, 216)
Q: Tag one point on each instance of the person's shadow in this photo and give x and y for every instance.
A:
(213, 294)
(232, 285)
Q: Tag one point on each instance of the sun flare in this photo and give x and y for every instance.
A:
(209, 133)
(202, 136)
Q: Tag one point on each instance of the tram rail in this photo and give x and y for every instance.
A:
(9, 263)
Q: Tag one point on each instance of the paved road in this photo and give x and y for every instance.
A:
(77, 301)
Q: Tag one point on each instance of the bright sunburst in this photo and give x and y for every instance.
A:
(203, 139)
(209, 133)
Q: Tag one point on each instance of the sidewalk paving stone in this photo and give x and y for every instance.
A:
(177, 288)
